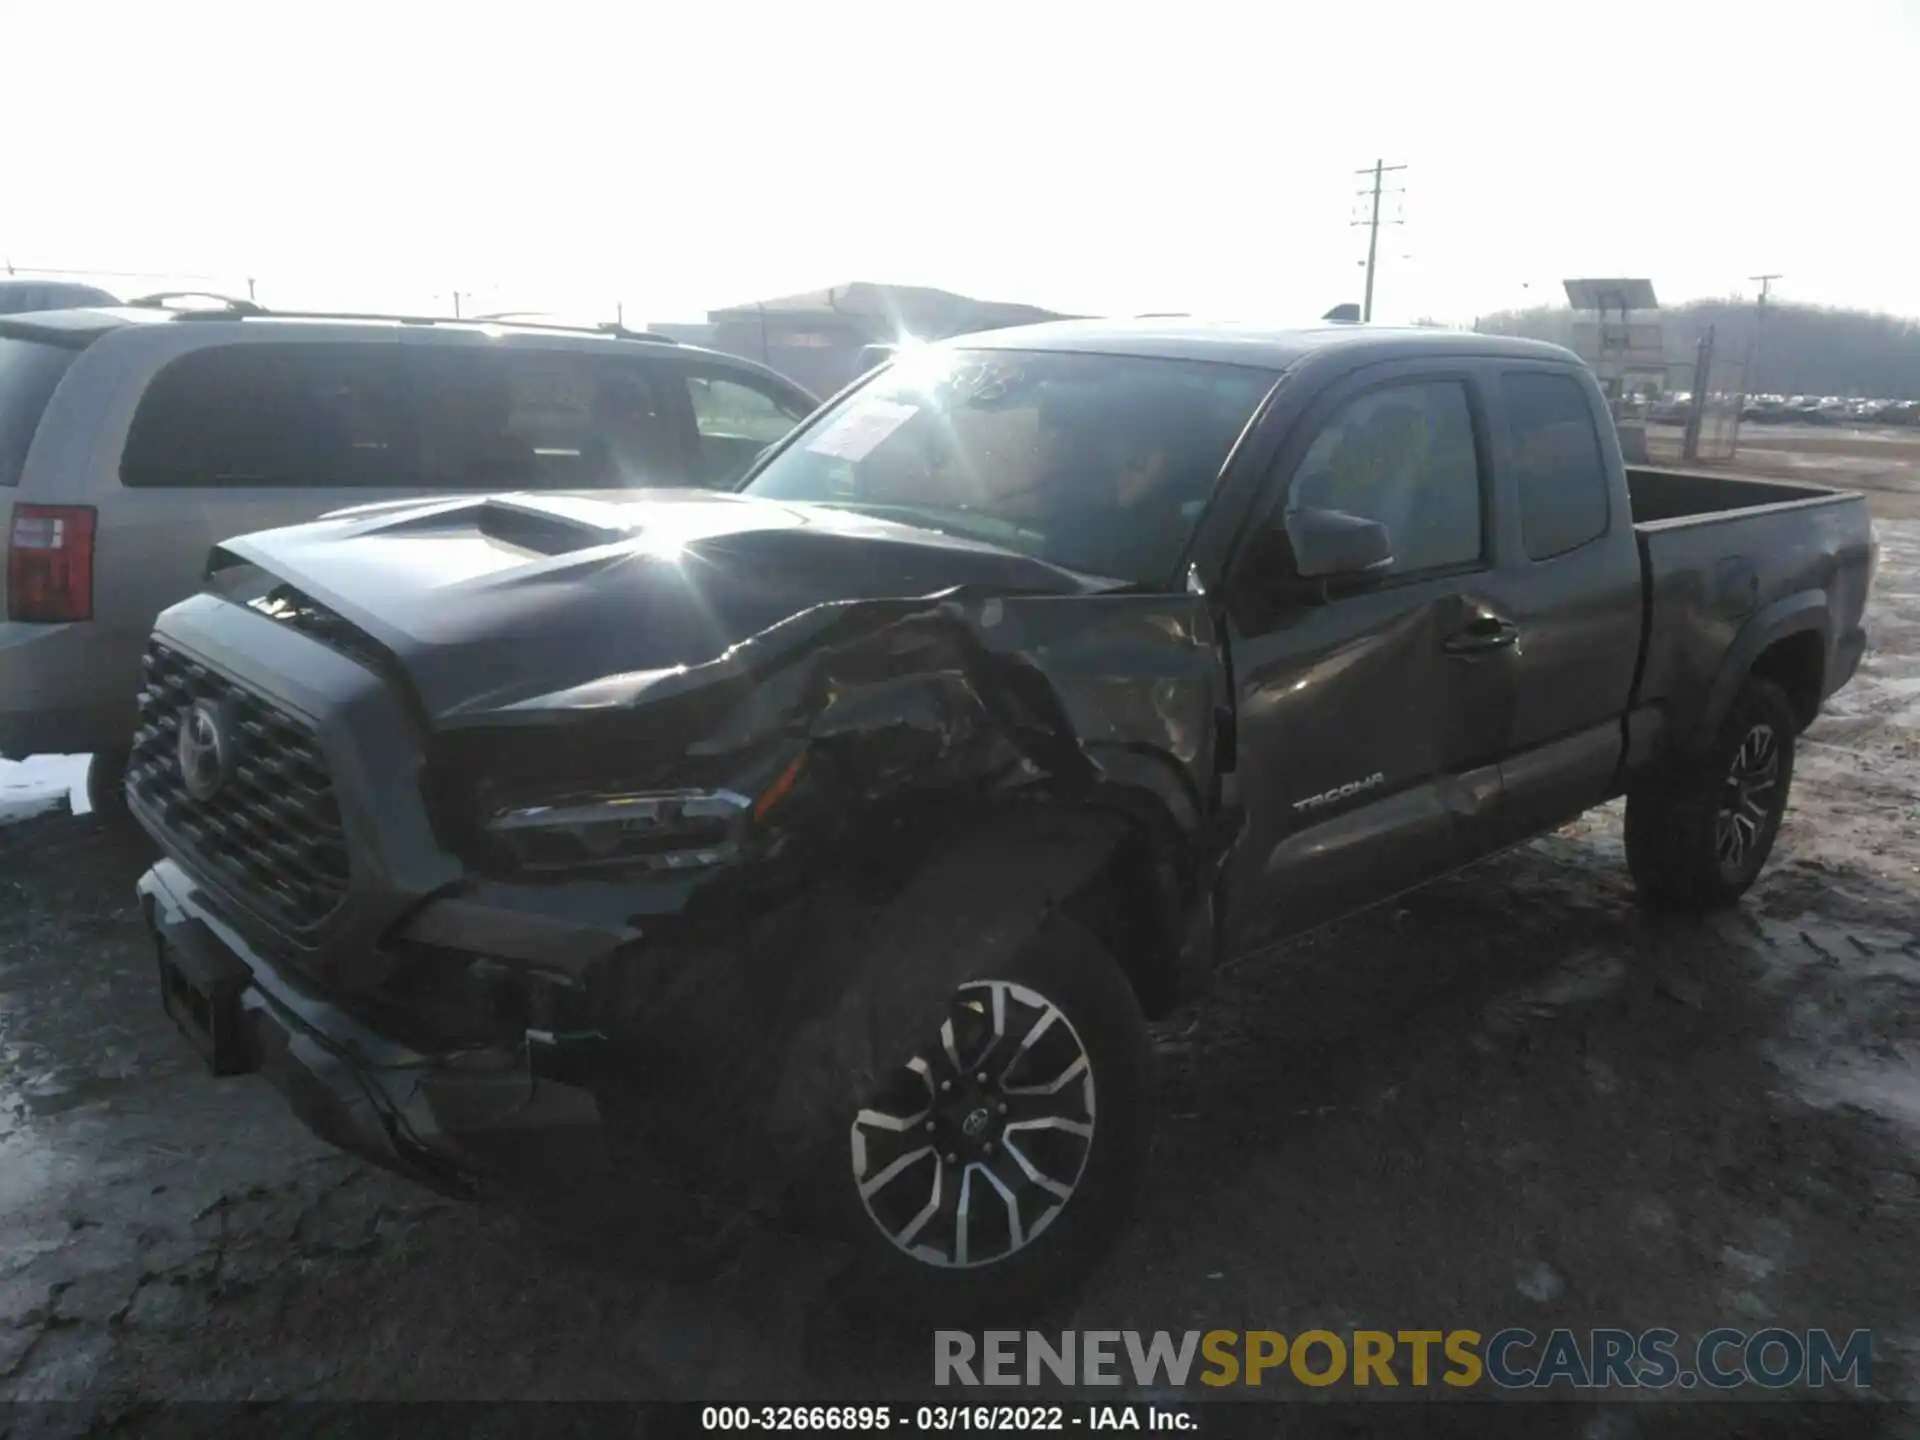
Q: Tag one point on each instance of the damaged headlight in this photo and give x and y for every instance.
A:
(661, 829)
(655, 829)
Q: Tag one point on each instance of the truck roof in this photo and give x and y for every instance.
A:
(1262, 346)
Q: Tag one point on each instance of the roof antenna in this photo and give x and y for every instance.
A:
(1343, 314)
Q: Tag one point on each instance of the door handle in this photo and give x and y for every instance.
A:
(1482, 635)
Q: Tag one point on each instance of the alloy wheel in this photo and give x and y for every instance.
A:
(972, 1149)
(1746, 799)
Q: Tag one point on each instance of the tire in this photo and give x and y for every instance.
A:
(932, 1273)
(1698, 837)
(107, 784)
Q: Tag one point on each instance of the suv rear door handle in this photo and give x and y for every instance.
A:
(1484, 634)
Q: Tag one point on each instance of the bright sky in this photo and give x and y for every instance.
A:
(1088, 157)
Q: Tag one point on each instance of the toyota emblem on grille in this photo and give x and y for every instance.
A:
(206, 750)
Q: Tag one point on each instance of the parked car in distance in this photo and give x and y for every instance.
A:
(134, 438)
(22, 296)
(834, 838)
(1671, 410)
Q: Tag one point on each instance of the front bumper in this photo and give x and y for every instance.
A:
(462, 1123)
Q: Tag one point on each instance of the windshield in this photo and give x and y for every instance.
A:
(1099, 463)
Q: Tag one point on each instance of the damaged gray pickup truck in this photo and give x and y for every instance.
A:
(822, 848)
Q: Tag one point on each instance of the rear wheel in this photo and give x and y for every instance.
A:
(1697, 839)
(990, 1172)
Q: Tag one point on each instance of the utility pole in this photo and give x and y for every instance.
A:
(1759, 323)
(1751, 375)
(1378, 170)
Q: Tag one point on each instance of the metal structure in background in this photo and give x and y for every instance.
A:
(1617, 331)
(1697, 396)
(1695, 415)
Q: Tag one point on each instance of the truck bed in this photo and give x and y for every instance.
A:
(1661, 497)
(1719, 551)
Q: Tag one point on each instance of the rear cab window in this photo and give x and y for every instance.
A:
(1557, 461)
(29, 373)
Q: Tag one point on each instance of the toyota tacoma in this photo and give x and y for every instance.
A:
(823, 847)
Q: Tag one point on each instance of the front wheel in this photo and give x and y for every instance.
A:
(992, 1170)
(107, 784)
(1697, 839)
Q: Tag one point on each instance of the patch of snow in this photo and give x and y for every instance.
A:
(35, 786)
(1750, 1265)
(1887, 1086)
(1542, 1283)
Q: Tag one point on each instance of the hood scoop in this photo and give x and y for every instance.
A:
(538, 529)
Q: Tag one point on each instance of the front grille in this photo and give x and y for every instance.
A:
(271, 831)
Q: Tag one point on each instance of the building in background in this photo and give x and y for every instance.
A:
(818, 338)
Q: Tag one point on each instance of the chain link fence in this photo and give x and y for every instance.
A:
(1660, 411)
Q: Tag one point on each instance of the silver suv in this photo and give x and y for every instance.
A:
(134, 438)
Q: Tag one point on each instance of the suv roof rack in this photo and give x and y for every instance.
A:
(536, 320)
(227, 308)
(223, 305)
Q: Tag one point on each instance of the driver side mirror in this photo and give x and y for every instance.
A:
(1311, 552)
(1334, 545)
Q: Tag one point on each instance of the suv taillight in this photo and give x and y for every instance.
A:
(50, 563)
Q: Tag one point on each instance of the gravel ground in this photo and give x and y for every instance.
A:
(1511, 1098)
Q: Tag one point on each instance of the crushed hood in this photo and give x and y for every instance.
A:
(494, 604)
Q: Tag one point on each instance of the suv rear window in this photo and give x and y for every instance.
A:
(29, 371)
(383, 415)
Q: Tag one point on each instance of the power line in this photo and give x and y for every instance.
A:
(1378, 170)
(13, 269)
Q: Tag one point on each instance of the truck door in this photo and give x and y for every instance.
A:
(1366, 724)
(1568, 580)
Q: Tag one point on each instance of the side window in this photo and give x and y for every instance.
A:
(1557, 462)
(1404, 456)
(736, 420)
(278, 415)
(29, 373)
(542, 421)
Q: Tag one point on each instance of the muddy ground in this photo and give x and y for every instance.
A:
(1513, 1098)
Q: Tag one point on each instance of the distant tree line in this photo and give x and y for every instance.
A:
(1807, 350)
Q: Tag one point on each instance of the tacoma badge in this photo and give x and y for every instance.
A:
(1340, 792)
